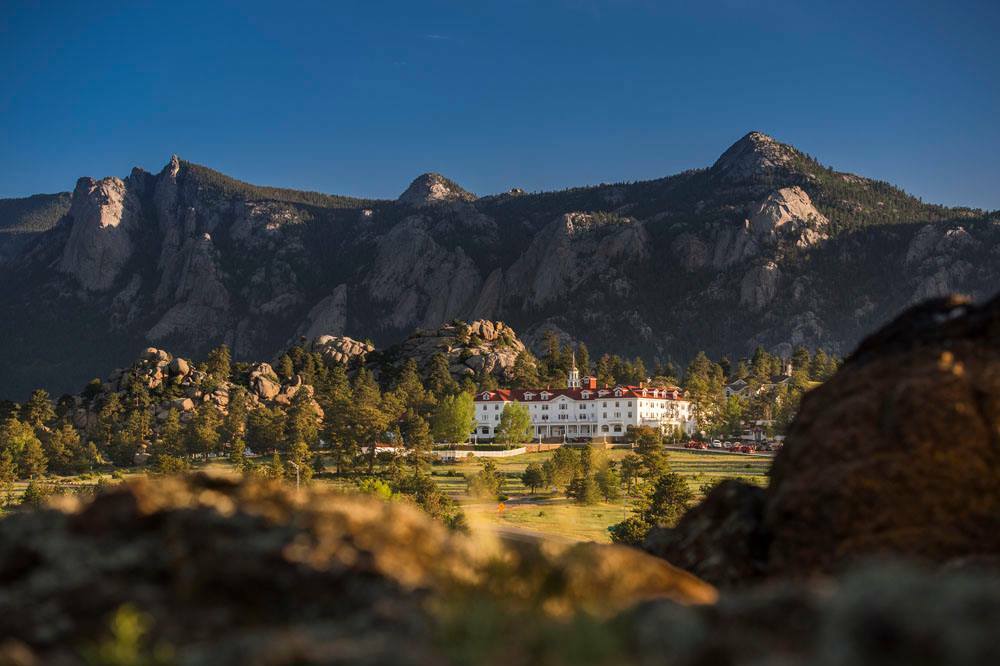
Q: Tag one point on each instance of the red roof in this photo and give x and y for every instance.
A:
(519, 395)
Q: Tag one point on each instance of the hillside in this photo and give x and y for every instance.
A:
(20, 219)
(767, 246)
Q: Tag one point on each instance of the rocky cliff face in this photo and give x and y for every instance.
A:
(104, 214)
(765, 247)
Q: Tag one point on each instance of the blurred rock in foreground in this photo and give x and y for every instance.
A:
(232, 571)
(897, 455)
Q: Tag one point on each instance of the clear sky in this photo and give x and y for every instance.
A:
(359, 97)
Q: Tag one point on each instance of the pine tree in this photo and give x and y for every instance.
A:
(525, 371)
(417, 436)
(33, 460)
(366, 416)
(237, 454)
(439, 379)
(609, 482)
(533, 477)
(234, 424)
(302, 423)
(171, 439)
(276, 470)
(202, 432)
(8, 475)
(63, 449)
(583, 359)
(285, 367)
(605, 371)
(219, 363)
(662, 503)
(108, 419)
(409, 389)
(38, 411)
(265, 429)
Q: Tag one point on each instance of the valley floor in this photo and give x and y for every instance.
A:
(548, 513)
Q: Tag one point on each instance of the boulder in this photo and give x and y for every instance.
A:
(898, 452)
(264, 381)
(182, 404)
(721, 540)
(179, 366)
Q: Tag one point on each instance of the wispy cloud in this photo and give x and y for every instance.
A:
(437, 37)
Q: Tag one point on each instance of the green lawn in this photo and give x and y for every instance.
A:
(553, 514)
(556, 516)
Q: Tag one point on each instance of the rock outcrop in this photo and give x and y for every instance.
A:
(896, 455)
(788, 215)
(340, 349)
(175, 383)
(328, 317)
(104, 214)
(472, 350)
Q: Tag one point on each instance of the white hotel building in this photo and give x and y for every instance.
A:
(582, 410)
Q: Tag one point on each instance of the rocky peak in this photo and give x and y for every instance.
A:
(103, 211)
(753, 155)
(432, 188)
(172, 167)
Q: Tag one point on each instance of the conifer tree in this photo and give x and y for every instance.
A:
(33, 460)
(219, 363)
(439, 379)
(38, 411)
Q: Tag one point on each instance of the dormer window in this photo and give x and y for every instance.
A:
(529, 396)
(485, 395)
(618, 393)
(585, 394)
(545, 395)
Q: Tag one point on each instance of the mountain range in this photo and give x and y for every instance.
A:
(765, 247)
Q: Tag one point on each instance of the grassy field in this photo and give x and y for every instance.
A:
(552, 513)
(547, 512)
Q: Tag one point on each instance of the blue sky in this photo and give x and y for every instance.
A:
(360, 97)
